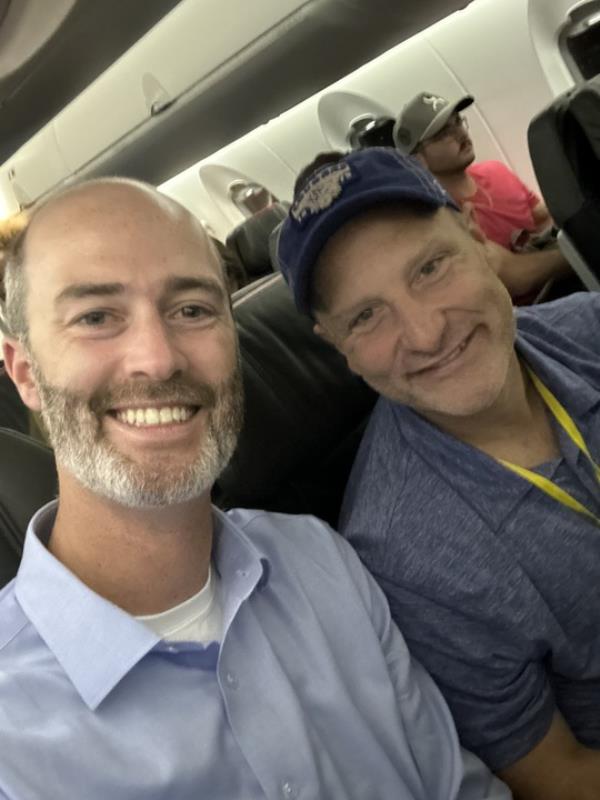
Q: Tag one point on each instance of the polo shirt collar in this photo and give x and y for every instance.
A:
(569, 387)
(96, 642)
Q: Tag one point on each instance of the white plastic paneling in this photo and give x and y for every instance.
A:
(9, 204)
(32, 170)
(187, 189)
(545, 23)
(336, 110)
(192, 41)
(204, 187)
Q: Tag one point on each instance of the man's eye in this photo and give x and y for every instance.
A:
(431, 267)
(361, 319)
(194, 311)
(93, 318)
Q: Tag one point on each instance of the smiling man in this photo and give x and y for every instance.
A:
(434, 130)
(474, 496)
(152, 646)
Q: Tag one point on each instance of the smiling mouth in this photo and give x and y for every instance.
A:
(448, 359)
(153, 416)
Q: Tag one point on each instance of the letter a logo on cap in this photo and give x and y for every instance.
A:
(434, 101)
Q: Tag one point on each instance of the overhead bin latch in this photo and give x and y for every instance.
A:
(21, 196)
(155, 95)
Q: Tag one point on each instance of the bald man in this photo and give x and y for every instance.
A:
(152, 646)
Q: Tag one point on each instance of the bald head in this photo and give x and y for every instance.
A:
(92, 222)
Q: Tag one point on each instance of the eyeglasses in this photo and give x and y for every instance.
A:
(451, 128)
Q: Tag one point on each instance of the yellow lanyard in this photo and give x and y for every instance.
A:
(563, 418)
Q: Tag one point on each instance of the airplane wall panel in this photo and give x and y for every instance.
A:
(247, 160)
(546, 20)
(187, 189)
(33, 171)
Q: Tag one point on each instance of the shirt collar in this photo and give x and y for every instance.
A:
(95, 642)
(549, 364)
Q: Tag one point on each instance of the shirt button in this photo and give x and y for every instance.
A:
(231, 680)
(171, 649)
(241, 573)
(288, 790)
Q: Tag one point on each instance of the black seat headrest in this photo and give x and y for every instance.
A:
(13, 414)
(27, 482)
(305, 410)
(250, 239)
(564, 143)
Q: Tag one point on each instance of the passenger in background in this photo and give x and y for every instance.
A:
(474, 498)
(507, 211)
(152, 646)
(235, 274)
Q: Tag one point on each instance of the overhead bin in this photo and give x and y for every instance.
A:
(50, 50)
(209, 72)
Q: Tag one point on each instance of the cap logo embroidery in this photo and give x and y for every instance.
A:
(434, 101)
(321, 191)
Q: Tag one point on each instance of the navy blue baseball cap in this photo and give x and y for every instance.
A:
(336, 193)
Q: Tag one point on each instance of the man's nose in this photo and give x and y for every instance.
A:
(152, 350)
(422, 327)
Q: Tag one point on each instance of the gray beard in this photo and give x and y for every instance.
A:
(74, 426)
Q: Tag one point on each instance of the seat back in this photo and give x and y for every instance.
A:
(305, 411)
(13, 414)
(27, 482)
(564, 143)
(305, 415)
(250, 240)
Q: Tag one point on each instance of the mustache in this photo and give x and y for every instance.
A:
(175, 391)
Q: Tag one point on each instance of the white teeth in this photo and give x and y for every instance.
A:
(148, 417)
(152, 416)
(166, 415)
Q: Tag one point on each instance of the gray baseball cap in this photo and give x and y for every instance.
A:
(422, 117)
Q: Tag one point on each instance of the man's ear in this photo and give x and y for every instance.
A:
(323, 333)
(420, 158)
(18, 365)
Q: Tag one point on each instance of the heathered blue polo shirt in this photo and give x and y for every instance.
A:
(495, 585)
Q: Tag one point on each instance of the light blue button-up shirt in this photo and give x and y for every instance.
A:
(311, 694)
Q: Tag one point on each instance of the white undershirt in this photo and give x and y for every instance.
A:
(197, 619)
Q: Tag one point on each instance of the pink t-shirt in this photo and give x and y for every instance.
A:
(502, 204)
